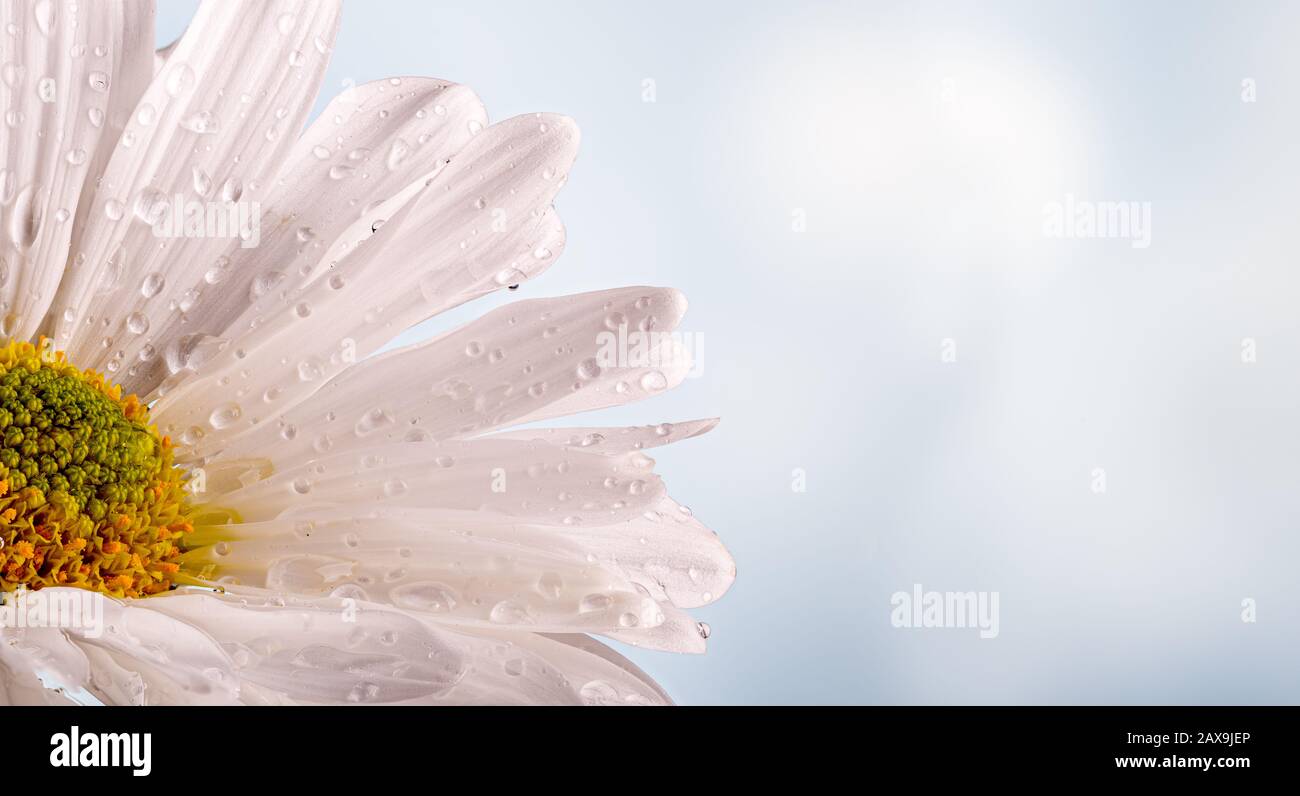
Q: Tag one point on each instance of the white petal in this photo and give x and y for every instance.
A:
(71, 76)
(440, 250)
(601, 675)
(370, 144)
(531, 481)
(214, 125)
(450, 572)
(666, 551)
(321, 651)
(631, 685)
(531, 359)
(347, 651)
(351, 651)
(618, 439)
(461, 564)
(175, 663)
(608, 507)
(19, 687)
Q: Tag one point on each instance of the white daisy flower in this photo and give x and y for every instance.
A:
(282, 517)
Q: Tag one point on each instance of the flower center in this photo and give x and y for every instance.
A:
(89, 495)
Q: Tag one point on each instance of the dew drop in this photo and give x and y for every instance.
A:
(232, 189)
(550, 584)
(397, 154)
(201, 122)
(510, 613)
(48, 90)
(593, 603)
(46, 16)
(152, 285)
(224, 415)
(218, 270)
(180, 79)
(201, 181)
(308, 370)
(654, 381)
(588, 369)
(428, 596)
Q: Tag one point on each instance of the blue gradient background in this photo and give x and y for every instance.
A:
(922, 141)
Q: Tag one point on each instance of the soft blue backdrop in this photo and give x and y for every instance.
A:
(921, 142)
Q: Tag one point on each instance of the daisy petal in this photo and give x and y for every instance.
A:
(420, 565)
(631, 684)
(71, 77)
(173, 662)
(21, 688)
(665, 551)
(440, 250)
(528, 360)
(321, 651)
(529, 481)
(621, 439)
(349, 651)
(370, 144)
(213, 126)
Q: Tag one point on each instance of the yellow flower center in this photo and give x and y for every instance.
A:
(89, 494)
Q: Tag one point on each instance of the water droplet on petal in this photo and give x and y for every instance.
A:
(510, 613)
(224, 415)
(180, 79)
(202, 122)
(654, 381)
(593, 603)
(397, 154)
(48, 90)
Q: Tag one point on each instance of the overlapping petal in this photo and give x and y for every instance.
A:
(71, 76)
